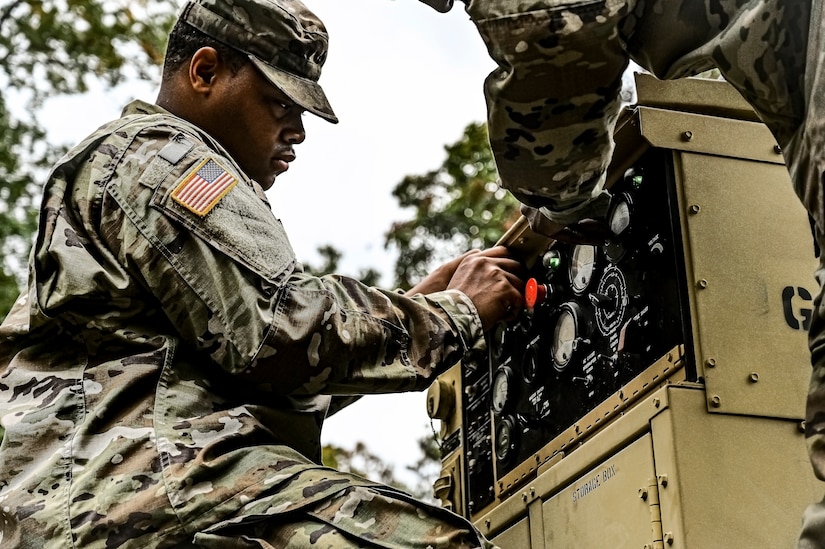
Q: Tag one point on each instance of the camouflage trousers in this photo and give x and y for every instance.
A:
(357, 517)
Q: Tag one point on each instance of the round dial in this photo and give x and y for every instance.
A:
(619, 217)
(505, 447)
(582, 267)
(502, 389)
(565, 336)
(620, 220)
(612, 303)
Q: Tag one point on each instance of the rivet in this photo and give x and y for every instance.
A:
(687, 136)
(802, 426)
(668, 538)
(710, 363)
(715, 401)
(656, 403)
(777, 149)
(695, 209)
(662, 480)
(487, 523)
(754, 377)
(524, 497)
(643, 493)
(702, 283)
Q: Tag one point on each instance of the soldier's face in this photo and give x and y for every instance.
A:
(258, 124)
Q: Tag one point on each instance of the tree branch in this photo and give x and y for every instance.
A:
(6, 13)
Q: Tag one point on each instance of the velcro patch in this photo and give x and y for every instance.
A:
(203, 187)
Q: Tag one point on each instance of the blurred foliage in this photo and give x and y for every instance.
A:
(50, 48)
(457, 207)
(331, 257)
(426, 469)
(361, 461)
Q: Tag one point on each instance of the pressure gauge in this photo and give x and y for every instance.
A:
(502, 389)
(619, 216)
(566, 335)
(582, 267)
(506, 439)
(620, 220)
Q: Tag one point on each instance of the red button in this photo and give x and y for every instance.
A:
(534, 293)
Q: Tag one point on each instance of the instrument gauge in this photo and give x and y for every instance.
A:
(582, 267)
(566, 335)
(611, 300)
(619, 215)
(502, 389)
(620, 220)
(506, 435)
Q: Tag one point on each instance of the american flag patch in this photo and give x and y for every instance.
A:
(204, 187)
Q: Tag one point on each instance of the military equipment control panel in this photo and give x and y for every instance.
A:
(647, 383)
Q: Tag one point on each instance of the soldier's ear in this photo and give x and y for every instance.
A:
(203, 68)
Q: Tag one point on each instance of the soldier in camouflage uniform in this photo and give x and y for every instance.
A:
(164, 378)
(554, 99)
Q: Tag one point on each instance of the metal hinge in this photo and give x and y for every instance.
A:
(650, 493)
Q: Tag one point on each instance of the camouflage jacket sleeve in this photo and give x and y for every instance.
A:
(555, 96)
(227, 280)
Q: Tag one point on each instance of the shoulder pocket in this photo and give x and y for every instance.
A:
(216, 203)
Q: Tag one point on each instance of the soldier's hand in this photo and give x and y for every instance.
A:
(586, 231)
(437, 280)
(491, 279)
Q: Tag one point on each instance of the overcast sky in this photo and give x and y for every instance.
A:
(404, 81)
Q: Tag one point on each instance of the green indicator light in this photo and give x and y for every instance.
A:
(637, 181)
(551, 260)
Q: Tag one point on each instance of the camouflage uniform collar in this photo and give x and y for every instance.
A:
(138, 108)
(142, 107)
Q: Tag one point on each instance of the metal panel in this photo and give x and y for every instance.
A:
(604, 508)
(515, 537)
(699, 95)
(729, 480)
(706, 134)
(750, 268)
(562, 472)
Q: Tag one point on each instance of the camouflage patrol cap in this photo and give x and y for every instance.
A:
(282, 38)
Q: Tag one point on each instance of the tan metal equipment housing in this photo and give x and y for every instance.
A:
(704, 448)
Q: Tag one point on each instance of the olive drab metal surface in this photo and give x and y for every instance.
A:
(652, 392)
